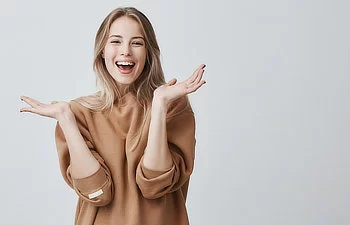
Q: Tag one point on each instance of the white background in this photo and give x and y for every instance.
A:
(273, 120)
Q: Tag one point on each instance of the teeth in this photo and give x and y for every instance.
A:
(125, 63)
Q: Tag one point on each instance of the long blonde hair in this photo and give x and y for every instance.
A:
(151, 77)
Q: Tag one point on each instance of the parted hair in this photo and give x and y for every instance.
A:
(151, 77)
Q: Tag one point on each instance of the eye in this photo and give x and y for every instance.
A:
(137, 43)
(115, 42)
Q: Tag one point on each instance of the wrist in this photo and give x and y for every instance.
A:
(159, 99)
(66, 118)
(159, 106)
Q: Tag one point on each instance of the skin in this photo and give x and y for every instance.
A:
(121, 46)
(125, 43)
(157, 155)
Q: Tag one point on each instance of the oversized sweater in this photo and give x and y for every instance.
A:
(123, 191)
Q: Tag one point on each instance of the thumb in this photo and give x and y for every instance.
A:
(172, 82)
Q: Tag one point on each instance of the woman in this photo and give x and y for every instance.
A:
(127, 150)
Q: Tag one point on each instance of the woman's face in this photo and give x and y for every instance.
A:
(125, 51)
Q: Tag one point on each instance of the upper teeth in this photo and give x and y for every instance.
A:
(125, 63)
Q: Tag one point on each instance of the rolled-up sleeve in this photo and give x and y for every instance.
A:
(97, 188)
(181, 141)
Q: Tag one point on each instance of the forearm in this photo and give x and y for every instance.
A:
(83, 163)
(157, 155)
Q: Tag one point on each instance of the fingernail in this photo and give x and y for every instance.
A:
(204, 66)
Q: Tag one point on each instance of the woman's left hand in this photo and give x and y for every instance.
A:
(171, 91)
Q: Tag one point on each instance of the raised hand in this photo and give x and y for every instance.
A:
(173, 90)
(56, 110)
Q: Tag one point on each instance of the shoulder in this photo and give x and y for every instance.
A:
(179, 106)
(79, 106)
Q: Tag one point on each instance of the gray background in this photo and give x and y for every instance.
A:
(273, 120)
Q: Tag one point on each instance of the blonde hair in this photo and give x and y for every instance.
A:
(151, 77)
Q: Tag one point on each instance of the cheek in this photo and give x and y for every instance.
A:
(109, 52)
(142, 57)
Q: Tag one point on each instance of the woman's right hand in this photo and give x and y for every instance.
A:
(56, 110)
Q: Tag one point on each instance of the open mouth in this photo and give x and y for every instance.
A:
(125, 66)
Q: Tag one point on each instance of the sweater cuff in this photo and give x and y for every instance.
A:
(150, 174)
(91, 183)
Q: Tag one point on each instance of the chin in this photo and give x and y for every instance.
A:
(124, 81)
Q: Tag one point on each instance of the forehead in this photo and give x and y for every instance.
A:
(125, 27)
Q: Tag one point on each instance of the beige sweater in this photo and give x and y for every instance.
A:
(123, 191)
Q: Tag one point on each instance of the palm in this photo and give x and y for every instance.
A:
(173, 90)
(53, 110)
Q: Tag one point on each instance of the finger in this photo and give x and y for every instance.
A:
(54, 102)
(33, 110)
(194, 88)
(192, 77)
(195, 74)
(197, 83)
(26, 98)
(32, 102)
(199, 77)
(27, 109)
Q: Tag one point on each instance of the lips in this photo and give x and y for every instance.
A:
(125, 66)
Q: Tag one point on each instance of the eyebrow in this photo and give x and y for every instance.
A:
(119, 36)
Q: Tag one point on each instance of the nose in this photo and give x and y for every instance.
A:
(125, 50)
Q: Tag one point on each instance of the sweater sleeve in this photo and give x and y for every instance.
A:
(97, 188)
(181, 141)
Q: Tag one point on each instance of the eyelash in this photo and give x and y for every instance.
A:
(137, 43)
(134, 43)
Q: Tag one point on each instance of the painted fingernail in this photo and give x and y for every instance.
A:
(204, 66)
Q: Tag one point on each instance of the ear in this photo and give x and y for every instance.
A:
(103, 54)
